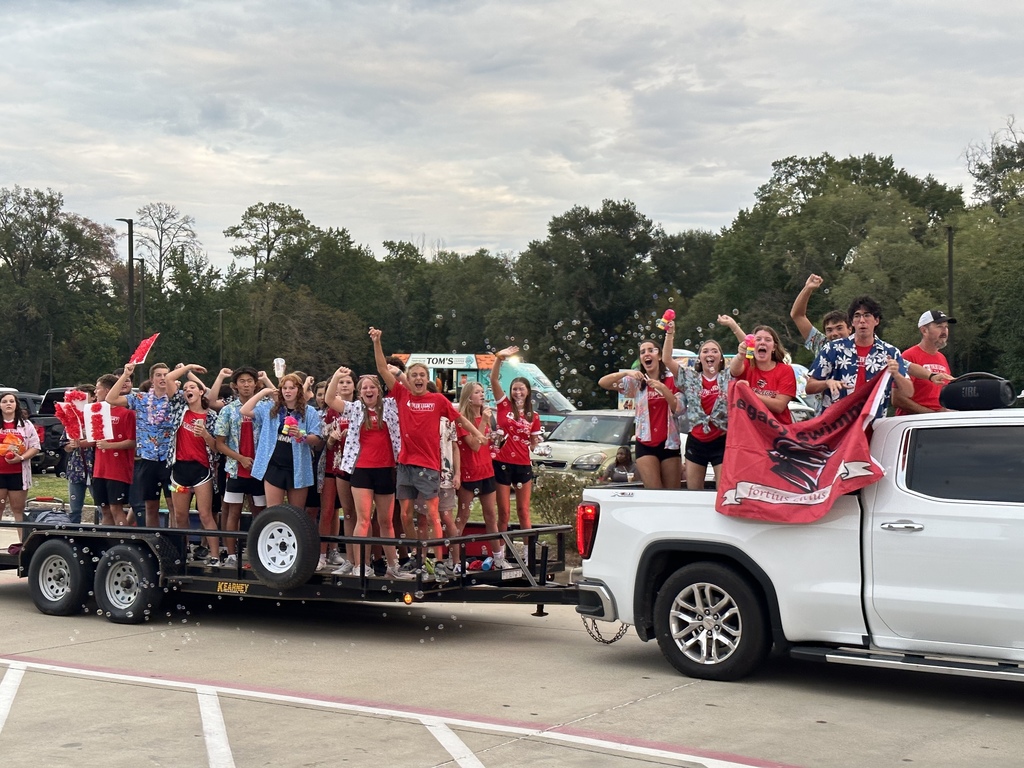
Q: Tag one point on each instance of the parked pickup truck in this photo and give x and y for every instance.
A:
(923, 569)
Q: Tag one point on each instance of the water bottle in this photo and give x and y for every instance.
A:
(488, 564)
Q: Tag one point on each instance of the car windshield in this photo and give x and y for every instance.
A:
(615, 428)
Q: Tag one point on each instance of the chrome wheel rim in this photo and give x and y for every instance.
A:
(55, 577)
(705, 623)
(122, 585)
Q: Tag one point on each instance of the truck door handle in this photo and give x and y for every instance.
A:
(902, 525)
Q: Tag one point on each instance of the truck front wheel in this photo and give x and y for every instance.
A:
(709, 623)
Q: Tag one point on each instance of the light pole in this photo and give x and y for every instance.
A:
(131, 284)
(50, 334)
(142, 299)
(220, 314)
(949, 287)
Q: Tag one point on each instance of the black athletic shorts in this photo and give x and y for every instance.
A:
(106, 492)
(481, 487)
(12, 481)
(660, 451)
(190, 474)
(703, 453)
(152, 476)
(281, 470)
(512, 474)
(380, 480)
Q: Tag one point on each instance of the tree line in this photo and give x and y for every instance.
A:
(577, 301)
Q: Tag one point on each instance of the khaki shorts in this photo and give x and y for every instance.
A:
(417, 482)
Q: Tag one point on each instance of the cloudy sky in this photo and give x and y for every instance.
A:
(471, 124)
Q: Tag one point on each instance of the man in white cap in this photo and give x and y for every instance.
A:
(934, 326)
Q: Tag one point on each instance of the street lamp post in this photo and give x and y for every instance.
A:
(131, 284)
(220, 313)
(949, 287)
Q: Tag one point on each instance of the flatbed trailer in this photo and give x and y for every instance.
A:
(127, 571)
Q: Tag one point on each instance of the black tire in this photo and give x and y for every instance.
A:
(59, 578)
(710, 624)
(283, 546)
(127, 584)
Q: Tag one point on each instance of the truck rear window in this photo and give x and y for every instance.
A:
(968, 463)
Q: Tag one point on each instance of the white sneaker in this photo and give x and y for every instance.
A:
(500, 563)
(345, 569)
(397, 574)
(334, 557)
(231, 561)
(321, 563)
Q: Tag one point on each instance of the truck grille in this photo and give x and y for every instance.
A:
(549, 463)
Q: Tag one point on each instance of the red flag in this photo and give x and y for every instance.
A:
(792, 473)
(139, 356)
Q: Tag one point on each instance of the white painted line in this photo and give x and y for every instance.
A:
(218, 748)
(461, 754)
(9, 689)
(478, 725)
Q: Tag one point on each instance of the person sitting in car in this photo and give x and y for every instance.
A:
(622, 470)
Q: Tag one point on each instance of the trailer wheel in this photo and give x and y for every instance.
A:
(284, 546)
(127, 584)
(58, 579)
(709, 623)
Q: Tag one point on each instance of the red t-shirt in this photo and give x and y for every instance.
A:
(657, 408)
(375, 449)
(708, 396)
(516, 449)
(780, 380)
(117, 464)
(475, 465)
(862, 356)
(246, 444)
(9, 428)
(420, 420)
(926, 393)
(191, 447)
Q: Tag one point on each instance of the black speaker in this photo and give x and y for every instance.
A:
(976, 392)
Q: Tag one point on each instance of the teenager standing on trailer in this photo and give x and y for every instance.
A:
(236, 440)
(21, 443)
(521, 429)
(335, 489)
(767, 372)
(477, 469)
(283, 459)
(79, 462)
(373, 441)
(418, 471)
(653, 391)
(193, 459)
(114, 464)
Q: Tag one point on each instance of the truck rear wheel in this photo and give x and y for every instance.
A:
(59, 578)
(709, 623)
(283, 546)
(127, 584)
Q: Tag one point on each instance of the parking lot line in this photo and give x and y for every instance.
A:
(9, 689)
(218, 748)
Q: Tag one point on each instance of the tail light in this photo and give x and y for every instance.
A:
(586, 528)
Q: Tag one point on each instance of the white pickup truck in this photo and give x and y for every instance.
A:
(923, 569)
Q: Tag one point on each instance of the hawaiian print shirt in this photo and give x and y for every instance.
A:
(154, 431)
(838, 360)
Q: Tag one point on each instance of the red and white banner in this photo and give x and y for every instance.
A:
(792, 473)
(142, 351)
(83, 420)
(98, 425)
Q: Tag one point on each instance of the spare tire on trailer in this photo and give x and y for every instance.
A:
(283, 546)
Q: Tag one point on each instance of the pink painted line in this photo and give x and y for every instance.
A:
(460, 719)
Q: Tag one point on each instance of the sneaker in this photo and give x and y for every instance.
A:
(231, 561)
(500, 563)
(345, 569)
(200, 552)
(441, 572)
(409, 566)
(397, 574)
(321, 564)
(213, 562)
(334, 557)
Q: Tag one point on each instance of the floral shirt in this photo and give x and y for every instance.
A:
(229, 426)
(689, 381)
(838, 360)
(79, 463)
(355, 412)
(154, 430)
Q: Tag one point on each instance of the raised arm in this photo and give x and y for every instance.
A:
(249, 409)
(216, 403)
(738, 364)
(331, 397)
(612, 381)
(799, 310)
(114, 396)
(730, 322)
(500, 356)
(182, 371)
(380, 361)
(667, 346)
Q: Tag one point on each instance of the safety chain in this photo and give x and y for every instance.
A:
(594, 632)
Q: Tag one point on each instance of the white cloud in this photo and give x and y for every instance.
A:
(475, 123)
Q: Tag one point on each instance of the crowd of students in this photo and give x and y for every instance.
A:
(344, 449)
(848, 355)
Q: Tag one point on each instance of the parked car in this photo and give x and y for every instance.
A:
(53, 456)
(584, 442)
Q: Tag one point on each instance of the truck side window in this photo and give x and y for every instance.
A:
(968, 463)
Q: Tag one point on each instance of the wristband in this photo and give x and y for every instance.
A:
(931, 377)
